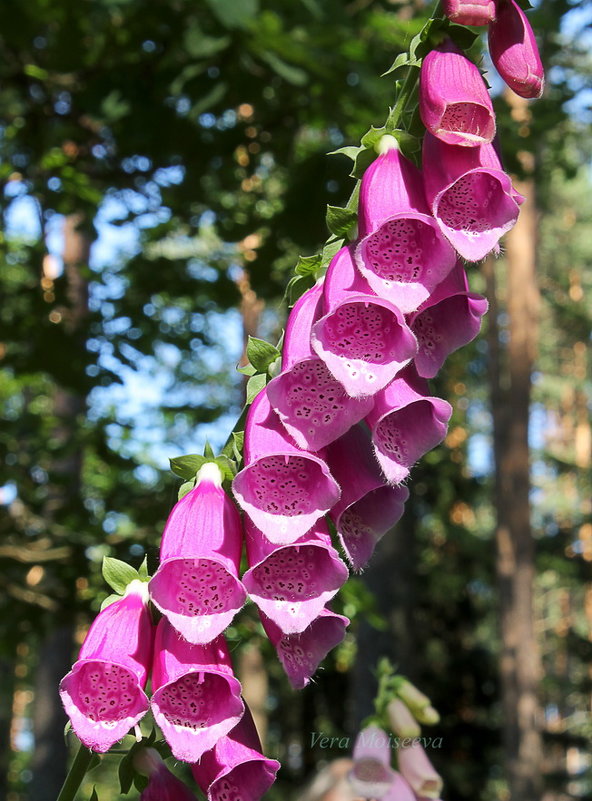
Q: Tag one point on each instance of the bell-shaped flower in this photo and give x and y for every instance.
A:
(196, 586)
(419, 772)
(301, 654)
(363, 339)
(368, 506)
(292, 583)
(103, 694)
(449, 319)
(399, 790)
(196, 697)
(235, 768)
(312, 404)
(402, 254)
(406, 423)
(162, 784)
(372, 775)
(514, 50)
(282, 489)
(454, 103)
(470, 195)
(469, 12)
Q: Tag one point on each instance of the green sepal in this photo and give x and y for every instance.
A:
(308, 265)
(187, 466)
(143, 570)
(351, 151)
(297, 286)
(118, 574)
(247, 369)
(462, 36)
(126, 773)
(261, 353)
(254, 386)
(94, 796)
(340, 221)
(110, 599)
(186, 487)
(332, 247)
(208, 452)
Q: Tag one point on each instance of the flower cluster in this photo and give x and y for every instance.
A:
(331, 440)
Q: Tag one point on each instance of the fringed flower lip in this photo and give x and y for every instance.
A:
(402, 253)
(196, 585)
(196, 697)
(406, 422)
(368, 506)
(103, 694)
(363, 339)
(292, 583)
(283, 489)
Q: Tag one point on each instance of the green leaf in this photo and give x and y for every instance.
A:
(308, 265)
(363, 160)
(373, 136)
(238, 443)
(140, 782)
(247, 369)
(340, 221)
(232, 14)
(296, 287)
(126, 774)
(261, 354)
(351, 151)
(110, 599)
(33, 71)
(67, 729)
(330, 249)
(118, 574)
(402, 60)
(208, 452)
(462, 36)
(291, 74)
(187, 466)
(186, 487)
(143, 570)
(254, 386)
(93, 795)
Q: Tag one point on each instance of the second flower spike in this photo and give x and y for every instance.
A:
(196, 586)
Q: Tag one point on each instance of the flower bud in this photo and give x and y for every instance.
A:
(401, 720)
(514, 50)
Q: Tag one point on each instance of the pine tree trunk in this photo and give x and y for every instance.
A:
(515, 558)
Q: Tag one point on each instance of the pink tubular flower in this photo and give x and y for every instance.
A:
(162, 784)
(311, 403)
(469, 12)
(402, 254)
(363, 339)
(235, 768)
(471, 196)
(454, 103)
(301, 654)
(196, 697)
(419, 772)
(449, 319)
(372, 775)
(399, 790)
(196, 586)
(282, 489)
(103, 694)
(514, 50)
(292, 583)
(406, 423)
(368, 506)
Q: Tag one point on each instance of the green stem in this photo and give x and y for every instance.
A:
(76, 774)
(403, 96)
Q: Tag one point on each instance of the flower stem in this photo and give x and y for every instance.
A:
(76, 774)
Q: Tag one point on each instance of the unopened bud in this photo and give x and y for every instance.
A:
(413, 697)
(428, 716)
(401, 720)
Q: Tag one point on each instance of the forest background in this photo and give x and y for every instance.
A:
(163, 165)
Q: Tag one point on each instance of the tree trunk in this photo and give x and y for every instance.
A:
(515, 557)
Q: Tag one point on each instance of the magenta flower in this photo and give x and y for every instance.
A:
(282, 489)
(406, 423)
(449, 319)
(196, 697)
(469, 12)
(402, 254)
(514, 50)
(311, 403)
(419, 772)
(235, 768)
(162, 784)
(368, 506)
(103, 694)
(196, 586)
(454, 103)
(292, 583)
(372, 775)
(301, 654)
(363, 339)
(471, 196)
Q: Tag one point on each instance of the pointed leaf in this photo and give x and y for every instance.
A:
(143, 570)
(185, 488)
(261, 354)
(110, 599)
(208, 452)
(340, 221)
(308, 265)
(118, 574)
(254, 386)
(187, 466)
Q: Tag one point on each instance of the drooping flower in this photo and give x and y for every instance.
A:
(301, 654)
(401, 720)
(470, 195)
(469, 12)
(235, 769)
(372, 775)
(103, 694)
(406, 423)
(419, 772)
(514, 50)
(311, 403)
(363, 339)
(368, 506)
(196, 697)
(402, 254)
(449, 319)
(283, 490)
(162, 784)
(196, 586)
(292, 583)
(454, 103)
